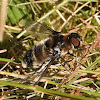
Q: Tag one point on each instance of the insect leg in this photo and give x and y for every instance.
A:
(42, 67)
(46, 67)
(75, 59)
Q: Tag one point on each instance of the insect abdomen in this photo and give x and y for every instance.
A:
(36, 55)
(40, 52)
(28, 59)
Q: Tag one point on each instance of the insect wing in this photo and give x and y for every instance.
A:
(38, 29)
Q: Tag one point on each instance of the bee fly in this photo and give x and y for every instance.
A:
(50, 47)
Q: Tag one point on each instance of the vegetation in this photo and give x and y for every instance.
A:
(75, 80)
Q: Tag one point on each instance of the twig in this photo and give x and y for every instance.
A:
(3, 17)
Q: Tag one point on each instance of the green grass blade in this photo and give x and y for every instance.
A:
(42, 90)
(6, 60)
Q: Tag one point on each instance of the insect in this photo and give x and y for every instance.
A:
(54, 44)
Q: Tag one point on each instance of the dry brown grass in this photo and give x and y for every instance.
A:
(81, 80)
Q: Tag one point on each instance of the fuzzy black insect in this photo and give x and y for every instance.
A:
(51, 46)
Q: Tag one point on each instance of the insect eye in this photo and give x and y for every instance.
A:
(75, 42)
